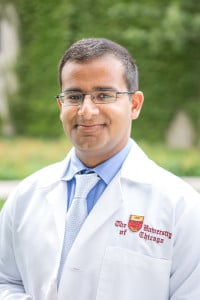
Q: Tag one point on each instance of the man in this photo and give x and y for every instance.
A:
(140, 238)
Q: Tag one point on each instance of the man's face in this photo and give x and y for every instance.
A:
(98, 131)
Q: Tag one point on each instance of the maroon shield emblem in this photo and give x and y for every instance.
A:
(135, 222)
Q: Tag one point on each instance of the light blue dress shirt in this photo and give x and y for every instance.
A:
(106, 171)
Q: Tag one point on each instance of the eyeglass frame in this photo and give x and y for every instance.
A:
(59, 96)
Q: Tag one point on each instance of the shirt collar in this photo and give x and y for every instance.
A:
(107, 170)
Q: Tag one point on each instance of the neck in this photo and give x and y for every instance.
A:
(91, 161)
(93, 158)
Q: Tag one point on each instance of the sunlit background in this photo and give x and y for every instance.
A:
(163, 37)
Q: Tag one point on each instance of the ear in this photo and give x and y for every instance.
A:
(59, 103)
(137, 101)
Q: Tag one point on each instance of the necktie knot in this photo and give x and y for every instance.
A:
(84, 183)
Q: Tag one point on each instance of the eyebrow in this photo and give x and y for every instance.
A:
(104, 88)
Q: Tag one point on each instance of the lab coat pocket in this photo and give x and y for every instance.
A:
(126, 274)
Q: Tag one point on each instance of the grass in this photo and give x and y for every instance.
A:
(22, 156)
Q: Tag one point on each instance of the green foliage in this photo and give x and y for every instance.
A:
(22, 156)
(42, 42)
(163, 36)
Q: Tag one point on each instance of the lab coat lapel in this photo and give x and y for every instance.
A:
(109, 202)
(134, 169)
(55, 191)
(106, 206)
(57, 199)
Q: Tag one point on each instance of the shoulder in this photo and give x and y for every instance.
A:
(141, 170)
(43, 178)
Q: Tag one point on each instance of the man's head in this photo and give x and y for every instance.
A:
(99, 98)
(92, 48)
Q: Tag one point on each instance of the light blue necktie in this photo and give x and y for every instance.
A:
(77, 213)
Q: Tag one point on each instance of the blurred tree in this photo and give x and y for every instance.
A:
(162, 36)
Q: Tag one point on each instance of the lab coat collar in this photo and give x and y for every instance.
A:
(137, 166)
(57, 174)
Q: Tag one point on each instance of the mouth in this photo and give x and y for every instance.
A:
(89, 127)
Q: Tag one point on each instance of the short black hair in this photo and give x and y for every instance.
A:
(90, 48)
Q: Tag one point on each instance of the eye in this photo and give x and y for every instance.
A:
(73, 96)
(103, 96)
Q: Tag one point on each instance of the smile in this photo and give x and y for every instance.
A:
(89, 128)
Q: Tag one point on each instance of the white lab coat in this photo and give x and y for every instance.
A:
(159, 259)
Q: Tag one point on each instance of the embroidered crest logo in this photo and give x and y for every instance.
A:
(135, 222)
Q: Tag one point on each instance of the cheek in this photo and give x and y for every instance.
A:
(121, 115)
(67, 114)
(62, 117)
(65, 118)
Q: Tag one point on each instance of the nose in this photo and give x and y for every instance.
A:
(88, 108)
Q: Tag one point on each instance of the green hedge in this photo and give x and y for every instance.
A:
(162, 36)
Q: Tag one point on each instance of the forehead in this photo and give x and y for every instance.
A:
(106, 69)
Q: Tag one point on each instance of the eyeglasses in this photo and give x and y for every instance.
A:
(75, 98)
